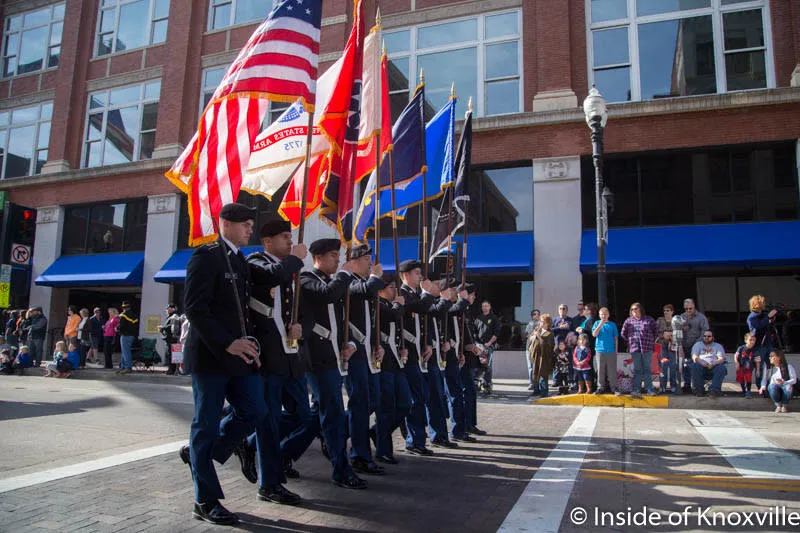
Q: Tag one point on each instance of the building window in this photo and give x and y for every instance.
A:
(715, 185)
(212, 77)
(224, 13)
(127, 24)
(649, 49)
(32, 40)
(481, 55)
(24, 137)
(121, 125)
(501, 199)
(105, 228)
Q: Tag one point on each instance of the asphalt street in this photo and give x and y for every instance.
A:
(90, 456)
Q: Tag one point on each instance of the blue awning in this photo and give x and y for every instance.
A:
(93, 270)
(489, 253)
(701, 246)
(174, 270)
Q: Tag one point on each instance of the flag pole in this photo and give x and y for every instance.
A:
(464, 248)
(425, 252)
(398, 282)
(377, 229)
(448, 264)
(302, 226)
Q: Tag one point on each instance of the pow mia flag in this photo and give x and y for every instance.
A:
(453, 211)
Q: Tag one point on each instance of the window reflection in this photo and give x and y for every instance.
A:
(105, 228)
(449, 33)
(676, 58)
(32, 41)
(20, 151)
(128, 24)
(132, 31)
(31, 55)
(24, 139)
(603, 10)
(501, 200)
(653, 7)
(730, 184)
(444, 69)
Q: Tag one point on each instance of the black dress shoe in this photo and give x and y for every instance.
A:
(387, 459)
(368, 467)
(184, 455)
(290, 471)
(475, 430)
(278, 494)
(443, 443)
(247, 457)
(352, 481)
(419, 450)
(464, 438)
(214, 513)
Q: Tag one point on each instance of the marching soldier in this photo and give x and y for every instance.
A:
(363, 379)
(470, 366)
(437, 421)
(453, 386)
(395, 397)
(283, 367)
(420, 299)
(322, 293)
(224, 365)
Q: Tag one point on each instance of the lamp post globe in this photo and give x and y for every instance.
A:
(594, 107)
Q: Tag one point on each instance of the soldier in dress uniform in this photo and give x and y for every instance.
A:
(224, 366)
(363, 374)
(437, 419)
(453, 386)
(471, 363)
(395, 398)
(322, 293)
(283, 366)
(421, 299)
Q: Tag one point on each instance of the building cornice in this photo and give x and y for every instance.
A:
(87, 174)
(667, 106)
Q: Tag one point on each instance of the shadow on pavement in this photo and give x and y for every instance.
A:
(10, 410)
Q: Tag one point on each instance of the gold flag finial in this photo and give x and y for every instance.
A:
(378, 16)
(422, 76)
(453, 90)
(469, 105)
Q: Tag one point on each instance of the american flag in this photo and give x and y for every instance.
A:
(278, 63)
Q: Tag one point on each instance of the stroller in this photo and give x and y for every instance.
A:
(144, 353)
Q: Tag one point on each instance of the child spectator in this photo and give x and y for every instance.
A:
(745, 361)
(6, 362)
(669, 355)
(563, 348)
(582, 363)
(23, 359)
(65, 362)
(563, 364)
(606, 344)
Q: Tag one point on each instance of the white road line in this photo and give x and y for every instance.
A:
(541, 506)
(750, 453)
(27, 480)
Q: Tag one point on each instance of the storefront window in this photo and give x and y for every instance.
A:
(105, 228)
(720, 185)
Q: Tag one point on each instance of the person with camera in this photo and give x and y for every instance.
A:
(171, 332)
(761, 323)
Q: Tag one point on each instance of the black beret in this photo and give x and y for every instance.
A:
(409, 264)
(172, 305)
(323, 246)
(389, 277)
(469, 287)
(360, 251)
(274, 227)
(448, 283)
(237, 213)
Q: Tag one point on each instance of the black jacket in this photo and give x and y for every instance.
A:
(37, 328)
(422, 305)
(212, 311)
(486, 327)
(317, 291)
(273, 280)
(391, 314)
(361, 291)
(128, 324)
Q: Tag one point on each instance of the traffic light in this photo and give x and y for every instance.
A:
(25, 227)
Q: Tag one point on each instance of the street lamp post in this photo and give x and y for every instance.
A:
(594, 107)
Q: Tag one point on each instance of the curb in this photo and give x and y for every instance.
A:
(723, 403)
(137, 376)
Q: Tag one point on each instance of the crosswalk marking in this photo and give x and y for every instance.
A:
(541, 506)
(750, 453)
(28, 480)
